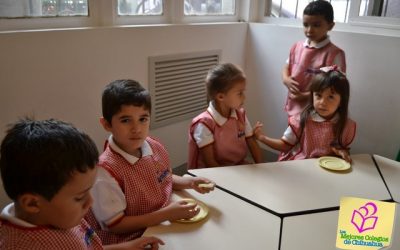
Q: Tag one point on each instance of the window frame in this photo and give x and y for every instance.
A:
(370, 21)
(354, 20)
(105, 13)
(50, 22)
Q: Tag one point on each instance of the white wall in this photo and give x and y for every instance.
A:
(372, 69)
(61, 74)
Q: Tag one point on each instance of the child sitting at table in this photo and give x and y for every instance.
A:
(48, 168)
(221, 135)
(323, 128)
(135, 180)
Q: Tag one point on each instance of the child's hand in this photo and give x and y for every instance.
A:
(147, 243)
(139, 243)
(177, 210)
(292, 85)
(257, 130)
(202, 185)
(342, 153)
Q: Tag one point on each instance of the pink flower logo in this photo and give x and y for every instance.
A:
(363, 218)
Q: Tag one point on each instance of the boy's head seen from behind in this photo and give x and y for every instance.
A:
(123, 92)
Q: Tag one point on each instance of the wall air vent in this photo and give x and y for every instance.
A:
(176, 85)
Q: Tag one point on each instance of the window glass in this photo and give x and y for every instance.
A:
(341, 10)
(209, 7)
(43, 8)
(291, 9)
(294, 8)
(380, 8)
(384, 8)
(140, 7)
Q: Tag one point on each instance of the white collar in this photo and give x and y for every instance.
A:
(317, 118)
(8, 214)
(318, 45)
(145, 148)
(219, 119)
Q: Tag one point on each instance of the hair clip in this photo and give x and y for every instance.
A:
(328, 69)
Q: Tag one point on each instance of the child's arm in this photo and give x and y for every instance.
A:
(189, 182)
(254, 149)
(207, 153)
(289, 82)
(277, 144)
(174, 211)
(344, 153)
(136, 244)
(293, 86)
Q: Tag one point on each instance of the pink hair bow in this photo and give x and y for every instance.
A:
(331, 68)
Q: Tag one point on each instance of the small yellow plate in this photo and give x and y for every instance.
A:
(198, 217)
(333, 163)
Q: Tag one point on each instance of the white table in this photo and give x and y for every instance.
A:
(310, 231)
(390, 170)
(231, 224)
(318, 231)
(297, 200)
(297, 187)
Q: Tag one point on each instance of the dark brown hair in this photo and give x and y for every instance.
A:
(338, 82)
(222, 77)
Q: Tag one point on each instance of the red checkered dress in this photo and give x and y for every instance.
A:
(230, 147)
(16, 237)
(147, 186)
(316, 138)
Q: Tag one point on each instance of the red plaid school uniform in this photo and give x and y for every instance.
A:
(316, 138)
(147, 186)
(230, 147)
(16, 237)
(303, 61)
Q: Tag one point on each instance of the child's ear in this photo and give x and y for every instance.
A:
(30, 203)
(220, 97)
(331, 25)
(106, 125)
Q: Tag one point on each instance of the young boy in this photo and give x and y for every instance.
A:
(135, 181)
(307, 56)
(48, 168)
(222, 135)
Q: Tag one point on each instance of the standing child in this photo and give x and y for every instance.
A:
(306, 56)
(135, 181)
(323, 128)
(221, 135)
(48, 168)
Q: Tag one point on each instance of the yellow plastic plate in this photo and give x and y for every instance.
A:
(333, 163)
(201, 215)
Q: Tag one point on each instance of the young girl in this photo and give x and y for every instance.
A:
(221, 135)
(323, 128)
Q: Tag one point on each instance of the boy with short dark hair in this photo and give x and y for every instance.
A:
(306, 57)
(135, 180)
(47, 169)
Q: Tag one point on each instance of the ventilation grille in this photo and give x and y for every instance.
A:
(177, 87)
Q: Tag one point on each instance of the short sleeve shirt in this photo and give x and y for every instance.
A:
(203, 136)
